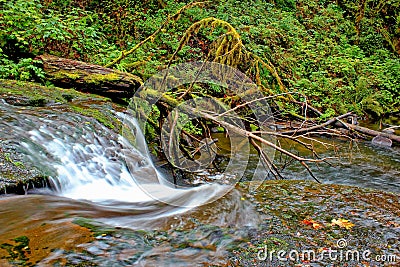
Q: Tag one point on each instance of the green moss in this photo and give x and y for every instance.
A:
(7, 157)
(101, 78)
(38, 102)
(69, 75)
(154, 94)
(94, 227)
(35, 92)
(19, 164)
(89, 105)
(17, 252)
(96, 114)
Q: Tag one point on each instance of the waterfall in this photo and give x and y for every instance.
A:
(87, 161)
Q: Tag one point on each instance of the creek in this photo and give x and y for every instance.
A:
(99, 178)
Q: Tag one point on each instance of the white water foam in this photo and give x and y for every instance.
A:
(94, 167)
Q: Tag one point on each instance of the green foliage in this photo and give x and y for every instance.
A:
(25, 69)
(342, 55)
(317, 52)
(192, 128)
(28, 28)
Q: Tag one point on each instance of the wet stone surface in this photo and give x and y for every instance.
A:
(21, 100)
(16, 173)
(283, 207)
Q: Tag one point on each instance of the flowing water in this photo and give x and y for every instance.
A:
(86, 161)
(360, 164)
(99, 175)
(363, 164)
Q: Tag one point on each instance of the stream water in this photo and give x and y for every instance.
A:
(91, 178)
(361, 164)
(87, 161)
(97, 174)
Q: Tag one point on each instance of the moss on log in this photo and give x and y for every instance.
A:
(89, 78)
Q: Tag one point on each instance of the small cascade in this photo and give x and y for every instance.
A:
(88, 161)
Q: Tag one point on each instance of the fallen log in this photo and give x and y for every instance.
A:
(318, 126)
(171, 102)
(349, 126)
(89, 78)
(371, 132)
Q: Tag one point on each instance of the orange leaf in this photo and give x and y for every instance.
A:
(343, 223)
(314, 224)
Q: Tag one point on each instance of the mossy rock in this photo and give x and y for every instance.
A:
(32, 94)
(17, 174)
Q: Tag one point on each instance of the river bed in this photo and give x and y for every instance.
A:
(97, 215)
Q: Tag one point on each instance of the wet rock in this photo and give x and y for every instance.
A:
(16, 174)
(25, 101)
(27, 94)
(95, 250)
(382, 141)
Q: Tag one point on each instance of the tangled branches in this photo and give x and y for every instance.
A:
(228, 49)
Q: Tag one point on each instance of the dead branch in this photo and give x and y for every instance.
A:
(271, 166)
(316, 111)
(250, 102)
(255, 137)
(371, 132)
(316, 127)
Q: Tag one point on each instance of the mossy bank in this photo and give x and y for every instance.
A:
(17, 174)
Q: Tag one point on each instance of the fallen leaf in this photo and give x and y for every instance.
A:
(394, 224)
(314, 224)
(343, 223)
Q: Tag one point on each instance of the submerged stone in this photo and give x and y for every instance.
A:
(382, 141)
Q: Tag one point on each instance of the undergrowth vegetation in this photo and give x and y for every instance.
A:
(343, 55)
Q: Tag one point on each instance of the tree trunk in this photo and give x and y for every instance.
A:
(90, 78)
(371, 132)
